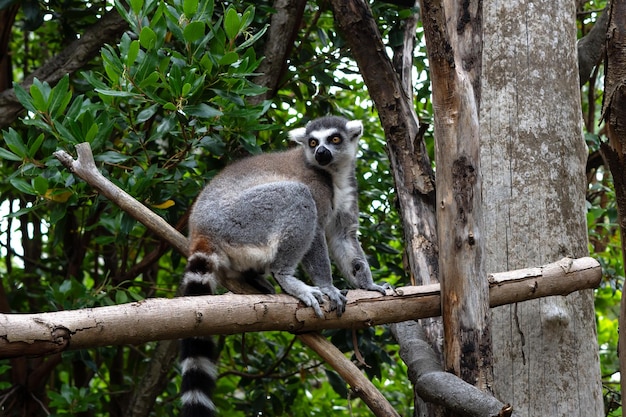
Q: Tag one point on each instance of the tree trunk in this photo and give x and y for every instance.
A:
(533, 158)
(614, 114)
(453, 41)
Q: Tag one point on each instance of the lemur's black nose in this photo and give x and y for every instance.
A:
(323, 156)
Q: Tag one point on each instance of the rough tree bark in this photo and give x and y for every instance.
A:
(614, 115)
(533, 159)
(409, 160)
(453, 41)
(284, 26)
(440, 387)
(7, 18)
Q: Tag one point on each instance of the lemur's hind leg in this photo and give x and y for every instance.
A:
(297, 214)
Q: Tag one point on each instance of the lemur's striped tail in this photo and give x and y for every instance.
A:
(198, 355)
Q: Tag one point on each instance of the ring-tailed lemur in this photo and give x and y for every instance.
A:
(265, 215)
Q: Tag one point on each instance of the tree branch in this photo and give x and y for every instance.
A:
(439, 387)
(361, 386)
(45, 333)
(614, 151)
(74, 57)
(591, 47)
(283, 28)
(140, 322)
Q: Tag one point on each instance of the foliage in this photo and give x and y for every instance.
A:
(164, 110)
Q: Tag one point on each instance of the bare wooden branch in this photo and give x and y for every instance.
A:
(38, 334)
(159, 319)
(453, 37)
(362, 387)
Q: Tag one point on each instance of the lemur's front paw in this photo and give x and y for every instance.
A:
(337, 299)
(313, 297)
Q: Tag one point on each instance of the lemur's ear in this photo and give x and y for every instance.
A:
(355, 129)
(298, 135)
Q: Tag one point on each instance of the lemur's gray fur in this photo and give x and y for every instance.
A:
(265, 215)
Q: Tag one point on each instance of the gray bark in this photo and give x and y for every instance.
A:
(533, 158)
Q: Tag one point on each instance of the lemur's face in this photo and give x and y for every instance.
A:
(329, 142)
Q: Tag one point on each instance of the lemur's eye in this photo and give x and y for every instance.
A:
(336, 140)
(313, 143)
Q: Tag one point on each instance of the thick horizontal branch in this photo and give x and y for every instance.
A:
(160, 319)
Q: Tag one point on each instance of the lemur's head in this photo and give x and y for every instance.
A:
(329, 142)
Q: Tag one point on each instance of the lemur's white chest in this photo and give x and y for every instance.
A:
(343, 193)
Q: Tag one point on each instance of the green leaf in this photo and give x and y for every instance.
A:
(22, 186)
(201, 110)
(34, 147)
(251, 40)
(40, 102)
(150, 80)
(15, 143)
(40, 185)
(232, 23)
(248, 17)
(146, 114)
(186, 88)
(136, 6)
(194, 31)
(59, 97)
(65, 135)
(121, 9)
(229, 59)
(190, 7)
(111, 157)
(91, 133)
(206, 62)
(147, 37)
(114, 93)
(121, 297)
(24, 98)
(4, 154)
(133, 51)
(338, 384)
